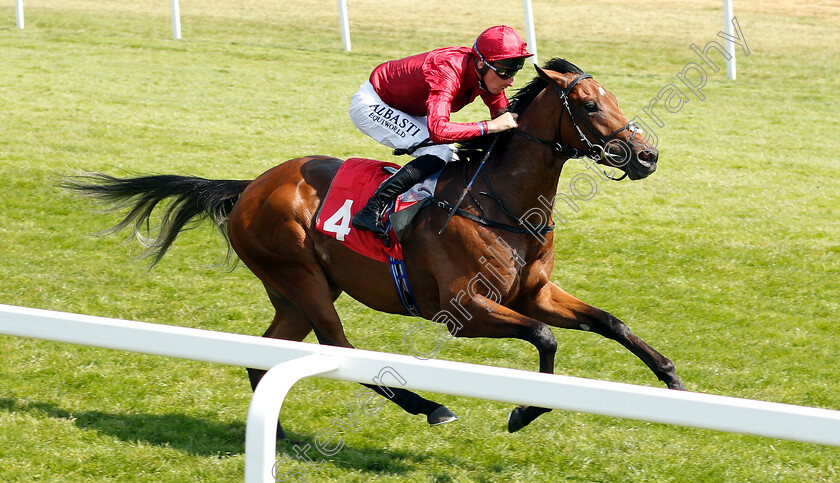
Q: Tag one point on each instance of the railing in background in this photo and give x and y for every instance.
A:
(344, 27)
(19, 13)
(176, 19)
(730, 46)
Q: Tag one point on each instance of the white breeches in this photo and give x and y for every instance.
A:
(392, 127)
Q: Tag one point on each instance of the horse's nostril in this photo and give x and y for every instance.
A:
(648, 156)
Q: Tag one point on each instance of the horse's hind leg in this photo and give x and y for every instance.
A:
(311, 293)
(289, 324)
(328, 329)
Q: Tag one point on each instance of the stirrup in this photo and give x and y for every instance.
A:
(369, 218)
(378, 229)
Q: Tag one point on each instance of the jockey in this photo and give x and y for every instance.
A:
(408, 101)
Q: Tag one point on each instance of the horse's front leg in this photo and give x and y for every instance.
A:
(557, 308)
(497, 321)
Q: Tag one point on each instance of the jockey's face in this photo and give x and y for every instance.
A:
(494, 83)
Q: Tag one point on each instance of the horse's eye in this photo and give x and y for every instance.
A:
(591, 106)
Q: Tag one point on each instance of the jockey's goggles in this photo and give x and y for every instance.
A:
(504, 68)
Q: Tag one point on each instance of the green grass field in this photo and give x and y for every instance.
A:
(726, 260)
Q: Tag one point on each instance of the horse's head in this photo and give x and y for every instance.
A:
(592, 124)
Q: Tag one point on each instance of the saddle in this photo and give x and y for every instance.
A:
(352, 186)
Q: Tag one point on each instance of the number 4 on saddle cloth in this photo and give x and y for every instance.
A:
(353, 185)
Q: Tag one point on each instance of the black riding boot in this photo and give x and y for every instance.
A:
(370, 217)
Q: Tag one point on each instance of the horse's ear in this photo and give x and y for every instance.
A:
(550, 76)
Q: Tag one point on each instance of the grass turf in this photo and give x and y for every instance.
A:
(726, 260)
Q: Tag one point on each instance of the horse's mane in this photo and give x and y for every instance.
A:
(476, 147)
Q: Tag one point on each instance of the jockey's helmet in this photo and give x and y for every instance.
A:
(503, 46)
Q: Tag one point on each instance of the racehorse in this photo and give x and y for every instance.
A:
(269, 222)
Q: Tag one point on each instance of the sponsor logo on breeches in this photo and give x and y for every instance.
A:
(386, 117)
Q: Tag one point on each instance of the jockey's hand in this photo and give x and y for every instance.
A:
(502, 123)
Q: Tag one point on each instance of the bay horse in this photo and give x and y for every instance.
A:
(269, 223)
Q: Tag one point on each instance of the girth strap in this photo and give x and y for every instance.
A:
(400, 280)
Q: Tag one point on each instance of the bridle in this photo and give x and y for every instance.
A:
(592, 150)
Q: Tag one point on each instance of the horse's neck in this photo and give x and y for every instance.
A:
(524, 171)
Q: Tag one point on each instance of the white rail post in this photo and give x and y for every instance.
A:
(730, 46)
(19, 13)
(529, 29)
(176, 20)
(344, 25)
(261, 428)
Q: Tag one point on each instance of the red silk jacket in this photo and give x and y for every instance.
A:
(436, 84)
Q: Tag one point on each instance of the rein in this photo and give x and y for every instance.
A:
(564, 149)
(529, 227)
(592, 150)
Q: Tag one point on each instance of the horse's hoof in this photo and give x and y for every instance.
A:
(516, 420)
(441, 415)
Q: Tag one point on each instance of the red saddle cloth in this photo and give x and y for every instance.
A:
(353, 185)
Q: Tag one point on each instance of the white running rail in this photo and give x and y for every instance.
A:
(297, 360)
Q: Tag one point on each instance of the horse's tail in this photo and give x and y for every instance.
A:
(191, 200)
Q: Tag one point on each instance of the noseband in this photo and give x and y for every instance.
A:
(577, 119)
